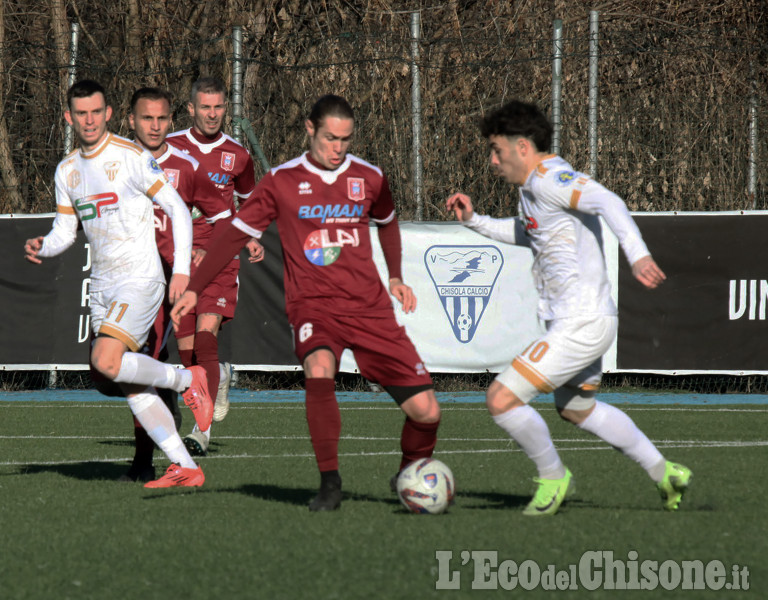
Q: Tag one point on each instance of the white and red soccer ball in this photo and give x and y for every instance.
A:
(426, 486)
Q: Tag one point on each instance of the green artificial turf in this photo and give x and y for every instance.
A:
(70, 530)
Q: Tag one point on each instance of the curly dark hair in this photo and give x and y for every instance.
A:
(519, 119)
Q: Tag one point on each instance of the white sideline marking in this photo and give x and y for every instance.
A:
(443, 407)
(666, 444)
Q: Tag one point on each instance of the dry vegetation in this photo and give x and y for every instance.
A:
(675, 83)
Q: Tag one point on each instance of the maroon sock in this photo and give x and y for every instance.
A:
(207, 356)
(417, 440)
(187, 357)
(324, 421)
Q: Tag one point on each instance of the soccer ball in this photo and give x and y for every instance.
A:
(426, 486)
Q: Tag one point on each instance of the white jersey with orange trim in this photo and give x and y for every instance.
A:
(559, 210)
(110, 191)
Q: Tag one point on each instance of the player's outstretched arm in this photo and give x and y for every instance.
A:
(403, 293)
(32, 248)
(183, 305)
(461, 205)
(647, 272)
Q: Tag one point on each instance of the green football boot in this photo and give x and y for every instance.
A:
(549, 495)
(673, 486)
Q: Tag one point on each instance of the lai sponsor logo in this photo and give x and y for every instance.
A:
(464, 277)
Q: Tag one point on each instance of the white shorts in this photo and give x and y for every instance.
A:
(569, 353)
(127, 311)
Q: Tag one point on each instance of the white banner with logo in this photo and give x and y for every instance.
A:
(476, 300)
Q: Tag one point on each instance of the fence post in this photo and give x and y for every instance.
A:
(593, 90)
(237, 81)
(416, 113)
(71, 74)
(752, 174)
(557, 82)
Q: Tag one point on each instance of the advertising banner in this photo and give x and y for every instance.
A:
(710, 314)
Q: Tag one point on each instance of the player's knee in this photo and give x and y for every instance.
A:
(427, 409)
(574, 404)
(320, 363)
(499, 398)
(106, 364)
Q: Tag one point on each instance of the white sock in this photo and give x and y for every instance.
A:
(615, 427)
(206, 433)
(145, 370)
(528, 429)
(157, 421)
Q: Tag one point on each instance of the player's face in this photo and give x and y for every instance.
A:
(88, 117)
(508, 158)
(151, 121)
(207, 112)
(328, 144)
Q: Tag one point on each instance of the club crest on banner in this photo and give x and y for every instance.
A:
(464, 277)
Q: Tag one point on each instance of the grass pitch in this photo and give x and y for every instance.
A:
(70, 530)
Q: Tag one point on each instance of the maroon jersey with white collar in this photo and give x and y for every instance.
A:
(225, 167)
(180, 169)
(323, 220)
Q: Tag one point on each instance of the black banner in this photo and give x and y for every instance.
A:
(710, 314)
(46, 316)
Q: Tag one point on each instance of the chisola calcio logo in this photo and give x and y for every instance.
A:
(464, 277)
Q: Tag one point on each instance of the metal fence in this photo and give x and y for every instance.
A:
(667, 114)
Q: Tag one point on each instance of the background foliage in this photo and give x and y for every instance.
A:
(675, 85)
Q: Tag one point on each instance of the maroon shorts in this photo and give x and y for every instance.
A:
(383, 351)
(219, 297)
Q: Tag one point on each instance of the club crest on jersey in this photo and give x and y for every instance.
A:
(564, 178)
(111, 168)
(227, 161)
(464, 277)
(153, 166)
(356, 188)
(173, 177)
(73, 179)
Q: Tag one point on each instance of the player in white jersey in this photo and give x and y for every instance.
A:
(559, 220)
(108, 185)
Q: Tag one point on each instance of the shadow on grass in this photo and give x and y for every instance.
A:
(86, 471)
(302, 496)
(213, 447)
(491, 500)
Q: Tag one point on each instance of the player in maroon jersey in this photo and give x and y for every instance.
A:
(323, 202)
(225, 173)
(150, 119)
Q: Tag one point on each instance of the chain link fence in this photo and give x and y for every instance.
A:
(678, 89)
(681, 89)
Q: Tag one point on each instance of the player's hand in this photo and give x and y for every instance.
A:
(647, 272)
(403, 293)
(198, 254)
(461, 205)
(177, 286)
(32, 247)
(255, 251)
(183, 305)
